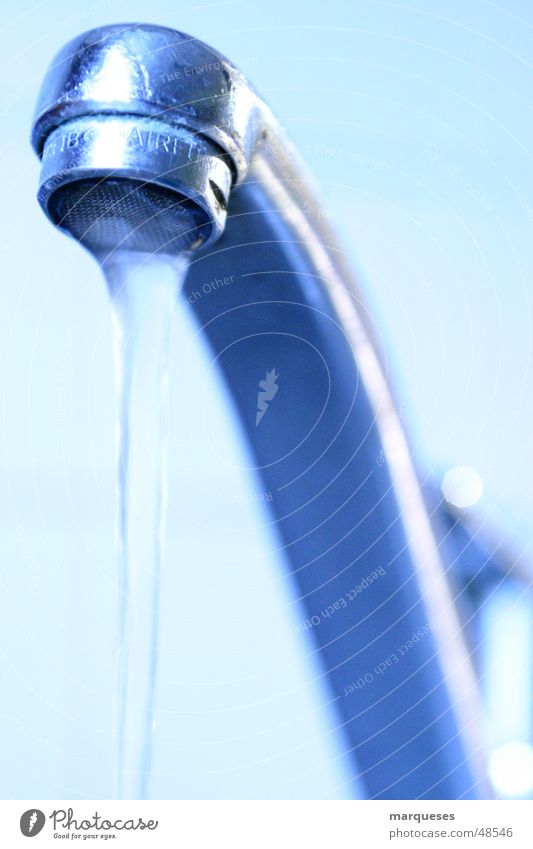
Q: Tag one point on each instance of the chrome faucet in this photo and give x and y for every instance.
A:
(152, 141)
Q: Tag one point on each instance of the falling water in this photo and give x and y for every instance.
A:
(143, 296)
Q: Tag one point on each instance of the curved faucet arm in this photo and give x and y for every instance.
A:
(346, 502)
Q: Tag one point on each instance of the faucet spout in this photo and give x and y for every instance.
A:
(165, 114)
(359, 544)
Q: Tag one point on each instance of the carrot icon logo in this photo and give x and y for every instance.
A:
(267, 390)
(32, 822)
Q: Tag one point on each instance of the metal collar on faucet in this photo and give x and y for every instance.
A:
(146, 103)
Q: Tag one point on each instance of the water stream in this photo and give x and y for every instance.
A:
(143, 293)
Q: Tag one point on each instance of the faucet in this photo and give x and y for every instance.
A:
(152, 141)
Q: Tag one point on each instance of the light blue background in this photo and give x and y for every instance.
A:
(417, 122)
